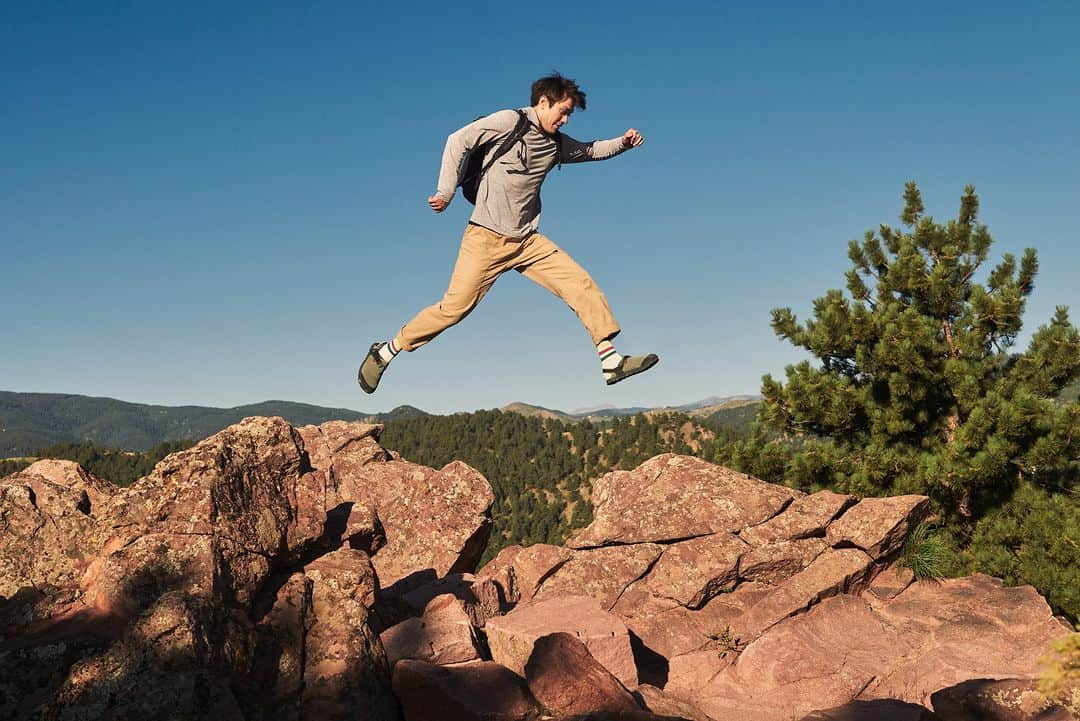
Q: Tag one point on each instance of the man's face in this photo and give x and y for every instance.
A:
(553, 116)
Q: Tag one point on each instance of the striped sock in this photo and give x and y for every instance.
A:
(609, 357)
(389, 350)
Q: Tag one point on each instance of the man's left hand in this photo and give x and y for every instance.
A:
(632, 138)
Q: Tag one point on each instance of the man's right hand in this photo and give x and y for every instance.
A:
(437, 204)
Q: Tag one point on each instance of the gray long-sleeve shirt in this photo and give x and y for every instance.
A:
(508, 199)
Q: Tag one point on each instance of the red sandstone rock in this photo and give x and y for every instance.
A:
(511, 637)
(436, 520)
(777, 561)
(163, 667)
(878, 525)
(963, 629)
(443, 635)
(671, 497)
(888, 584)
(694, 571)
(346, 675)
(806, 517)
(603, 573)
(45, 533)
(659, 702)
(566, 679)
(72, 475)
(213, 520)
(477, 691)
(1002, 700)
(837, 571)
(501, 571)
(671, 630)
(820, 659)
(273, 688)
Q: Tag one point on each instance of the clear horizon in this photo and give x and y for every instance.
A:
(220, 205)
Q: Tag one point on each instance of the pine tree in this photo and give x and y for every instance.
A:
(919, 389)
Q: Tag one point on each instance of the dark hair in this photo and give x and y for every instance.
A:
(555, 88)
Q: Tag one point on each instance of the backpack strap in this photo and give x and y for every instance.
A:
(515, 135)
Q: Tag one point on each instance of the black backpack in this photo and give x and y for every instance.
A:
(473, 168)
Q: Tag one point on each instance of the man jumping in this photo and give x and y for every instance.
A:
(502, 233)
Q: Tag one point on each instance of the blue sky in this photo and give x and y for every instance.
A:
(222, 203)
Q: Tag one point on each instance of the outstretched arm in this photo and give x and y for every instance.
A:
(458, 145)
(574, 151)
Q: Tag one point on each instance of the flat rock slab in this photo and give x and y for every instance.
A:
(820, 659)
(511, 637)
(671, 498)
(477, 691)
(694, 571)
(836, 571)
(806, 517)
(963, 629)
(603, 573)
(671, 630)
(777, 561)
(443, 635)
(878, 525)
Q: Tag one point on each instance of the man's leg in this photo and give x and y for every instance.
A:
(478, 266)
(548, 265)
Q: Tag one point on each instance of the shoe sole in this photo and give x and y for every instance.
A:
(646, 366)
(363, 384)
(360, 373)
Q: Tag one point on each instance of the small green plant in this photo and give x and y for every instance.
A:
(1061, 681)
(924, 553)
(727, 642)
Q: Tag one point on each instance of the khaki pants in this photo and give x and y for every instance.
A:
(483, 257)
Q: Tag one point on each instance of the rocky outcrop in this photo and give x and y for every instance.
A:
(672, 498)
(273, 573)
(512, 637)
(238, 580)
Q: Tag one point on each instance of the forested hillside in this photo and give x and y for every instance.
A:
(540, 469)
(121, 467)
(30, 421)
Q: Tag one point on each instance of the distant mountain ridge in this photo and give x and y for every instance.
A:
(34, 420)
(704, 407)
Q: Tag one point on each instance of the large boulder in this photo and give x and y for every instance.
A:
(433, 519)
(521, 571)
(997, 700)
(839, 571)
(171, 663)
(477, 691)
(672, 497)
(567, 680)
(443, 635)
(46, 525)
(929, 637)
(346, 674)
(512, 637)
(213, 520)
